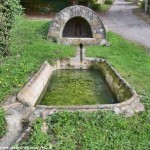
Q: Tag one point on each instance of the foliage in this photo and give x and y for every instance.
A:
(8, 10)
(142, 5)
(105, 7)
(38, 138)
(108, 2)
(102, 129)
(2, 123)
(48, 6)
(29, 49)
(100, 7)
(60, 4)
(96, 7)
(45, 6)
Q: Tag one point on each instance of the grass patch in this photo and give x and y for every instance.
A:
(2, 123)
(29, 49)
(105, 7)
(102, 129)
(38, 138)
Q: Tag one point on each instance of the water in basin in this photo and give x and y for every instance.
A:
(77, 87)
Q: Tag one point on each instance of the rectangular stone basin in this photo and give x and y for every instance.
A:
(71, 85)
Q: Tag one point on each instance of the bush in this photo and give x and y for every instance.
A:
(96, 7)
(142, 5)
(2, 123)
(108, 2)
(8, 10)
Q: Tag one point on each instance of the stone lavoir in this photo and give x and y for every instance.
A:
(75, 25)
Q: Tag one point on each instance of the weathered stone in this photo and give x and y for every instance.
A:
(108, 44)
(77, 12)
(129, 100)
(15, 118)
(44, 127)
(13, 105)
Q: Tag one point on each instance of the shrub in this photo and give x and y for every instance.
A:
(142, 5)
(2, 123)
(8, 10)
(96, 7)
(108, 2)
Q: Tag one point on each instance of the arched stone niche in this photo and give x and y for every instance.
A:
(77, 27)
(77, 24)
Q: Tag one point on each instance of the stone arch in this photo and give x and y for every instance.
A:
(77, 27)
(62, 18)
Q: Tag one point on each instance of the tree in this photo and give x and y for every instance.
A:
(8, 10)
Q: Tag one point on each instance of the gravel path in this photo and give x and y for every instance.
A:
(121, 20)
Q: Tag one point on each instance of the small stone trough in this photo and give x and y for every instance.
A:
(128, 99)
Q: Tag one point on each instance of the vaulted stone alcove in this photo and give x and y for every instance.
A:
(77, 27)
(77, 24)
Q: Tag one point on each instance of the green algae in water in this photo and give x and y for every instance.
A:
(77, 87)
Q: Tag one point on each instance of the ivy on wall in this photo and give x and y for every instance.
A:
(8, 10)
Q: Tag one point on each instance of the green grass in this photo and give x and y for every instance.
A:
(38, 138)
(29, 49)
(105, 7)
(2, 123)
(93, 131)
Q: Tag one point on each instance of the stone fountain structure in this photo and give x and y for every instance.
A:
(77, 24)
